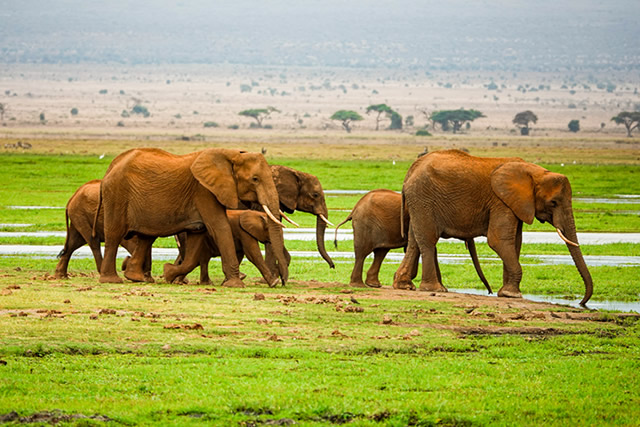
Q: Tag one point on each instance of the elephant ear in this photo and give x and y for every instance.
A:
(513, 184)
(214, 170)
(288, 186)
(255, 224)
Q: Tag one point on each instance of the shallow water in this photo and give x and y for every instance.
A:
(592, 305)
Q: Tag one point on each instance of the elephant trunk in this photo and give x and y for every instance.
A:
(576, 254)
(276, 238)
(321, 226)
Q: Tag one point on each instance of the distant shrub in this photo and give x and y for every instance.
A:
(74, 111)
(423, 132)
(124, 114)
(103, 92)
(233, 127)
(178, 116)
(574, 125)
(120, 124)
(492, 86)
(210, 124)
(254, 126)
(140, 109)
(42, 117)
(572, 106)
(121, 92)
(245, 88)
(267, 126)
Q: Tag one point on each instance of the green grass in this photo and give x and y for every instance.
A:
(113, 349)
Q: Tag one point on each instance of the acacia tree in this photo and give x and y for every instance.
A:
(259, 114)
(346, 117)
(380, 109)
(523, 119)
(454, 119)
(630, 120)
(3, 110)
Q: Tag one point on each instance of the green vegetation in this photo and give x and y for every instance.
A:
(630, 120)
(454, 119)
(258, 114)
(74, 111)
(211, 124)
(574, 125)
(346, 117)
(522, 120)
(315, 352)
(396, 119)
(141, 110)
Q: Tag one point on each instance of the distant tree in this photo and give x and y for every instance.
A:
(140, 109)
(523, 119)
(74, 111)
(346, 117)
(42, 118)
(380, 109)
(574, 125)
(259, 114)
(396, 121)
(630, 120)
(454, 119)
(3, 110)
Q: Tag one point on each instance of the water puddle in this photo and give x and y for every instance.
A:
(592, 305)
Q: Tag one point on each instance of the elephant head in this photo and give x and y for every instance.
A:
(303, 192)
(237, 176)
(531, 191)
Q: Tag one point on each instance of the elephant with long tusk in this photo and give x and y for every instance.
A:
(453, 194)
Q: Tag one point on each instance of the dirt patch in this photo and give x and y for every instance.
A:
(49, 417)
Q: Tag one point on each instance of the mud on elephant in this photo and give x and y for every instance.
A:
(152, 193)
(248, 228)
(377, 228)
(453, 194)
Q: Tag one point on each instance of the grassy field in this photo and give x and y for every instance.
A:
(315, 352)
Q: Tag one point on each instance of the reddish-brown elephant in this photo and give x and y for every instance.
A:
(80, 214)
(152, 193)
(376, 228)
(248, 228)
(453, 194)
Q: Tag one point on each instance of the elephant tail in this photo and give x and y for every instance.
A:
(402, 233)
(95, 219)
(335, 237)
(66, 241)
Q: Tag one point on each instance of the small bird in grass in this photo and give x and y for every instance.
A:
(264, 151)
(355, 301)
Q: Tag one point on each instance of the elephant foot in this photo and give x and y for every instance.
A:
(509, 292)
(169, 273)
(404, 285)
(357, 284)
(373, 283)
(149, 278)
(135, 276)
(273, 283)
(432, 287)
(125, 262)
(59, 275)
(233, 282)
(110, 279)
(242, 276)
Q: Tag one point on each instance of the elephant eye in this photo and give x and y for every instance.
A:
(255, 179)
(553, 204)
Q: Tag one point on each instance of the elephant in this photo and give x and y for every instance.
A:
(248, 228)
(80, 214)
(451, 193)
(376, 228)
(303, 192)
(151, 193)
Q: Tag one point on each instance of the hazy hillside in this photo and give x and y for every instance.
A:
(547, 35)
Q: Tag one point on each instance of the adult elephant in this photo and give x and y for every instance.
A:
(377, 229)
(453, 194)
(301, 191)
(152, 193)
(248, 228)
(80, 214)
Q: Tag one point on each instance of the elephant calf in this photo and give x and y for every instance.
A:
(80, 214)
(377, 229)
(248, 228)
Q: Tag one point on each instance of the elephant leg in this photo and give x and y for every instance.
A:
(252, 251)
(73, 242)
(113, 236)
(131, 245)
(196, 245)
(372, 279)
(507, 246)
(135, 268)
(408, 269)
(361, 254)
(431, 281)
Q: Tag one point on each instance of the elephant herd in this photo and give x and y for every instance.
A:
(222, 202)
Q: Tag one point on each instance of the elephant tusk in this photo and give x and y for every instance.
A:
(289, 219)
(567, 241)
(326, 220)
(273, 218)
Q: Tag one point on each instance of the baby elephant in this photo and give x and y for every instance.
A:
(248, 228)
(376, 228)
(80, 214)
